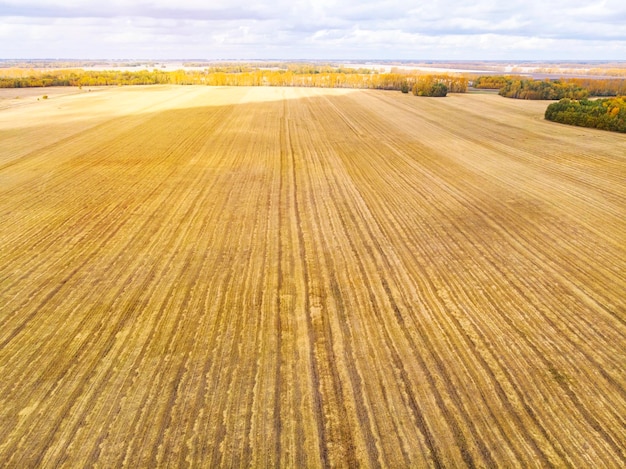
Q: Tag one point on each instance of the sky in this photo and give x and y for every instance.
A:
(316, 29)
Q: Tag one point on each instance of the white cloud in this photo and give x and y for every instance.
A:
(550, 29)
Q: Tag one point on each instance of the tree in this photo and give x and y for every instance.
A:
(438, 90)
(429, 86)
(606, 114)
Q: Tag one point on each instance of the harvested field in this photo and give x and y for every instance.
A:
(254, 277)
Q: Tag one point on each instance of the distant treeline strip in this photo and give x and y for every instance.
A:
(301, 77)
(574, 88)
(542, 89)
(606, 114)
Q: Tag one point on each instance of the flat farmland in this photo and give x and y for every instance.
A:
(256, 277)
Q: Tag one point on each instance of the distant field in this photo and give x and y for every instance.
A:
(11, 97)
(254, 277)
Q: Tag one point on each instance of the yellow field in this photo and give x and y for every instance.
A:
(258, 277)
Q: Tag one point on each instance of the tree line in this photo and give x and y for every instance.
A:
(605, 87)
(542, 89)
(30, 79)
(431, 86)
(573, 88)
(297, 75)
(492, 82)
(606, 113)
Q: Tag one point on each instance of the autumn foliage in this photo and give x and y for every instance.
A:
(574, 88)
(492, 82)
(542, 89)
(16, 78)
(299, 76)
(606, 87)
(606, 114)
(429, 86)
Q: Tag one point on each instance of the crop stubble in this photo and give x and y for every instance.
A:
(303, 278)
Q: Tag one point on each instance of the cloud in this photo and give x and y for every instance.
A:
(314, 29)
